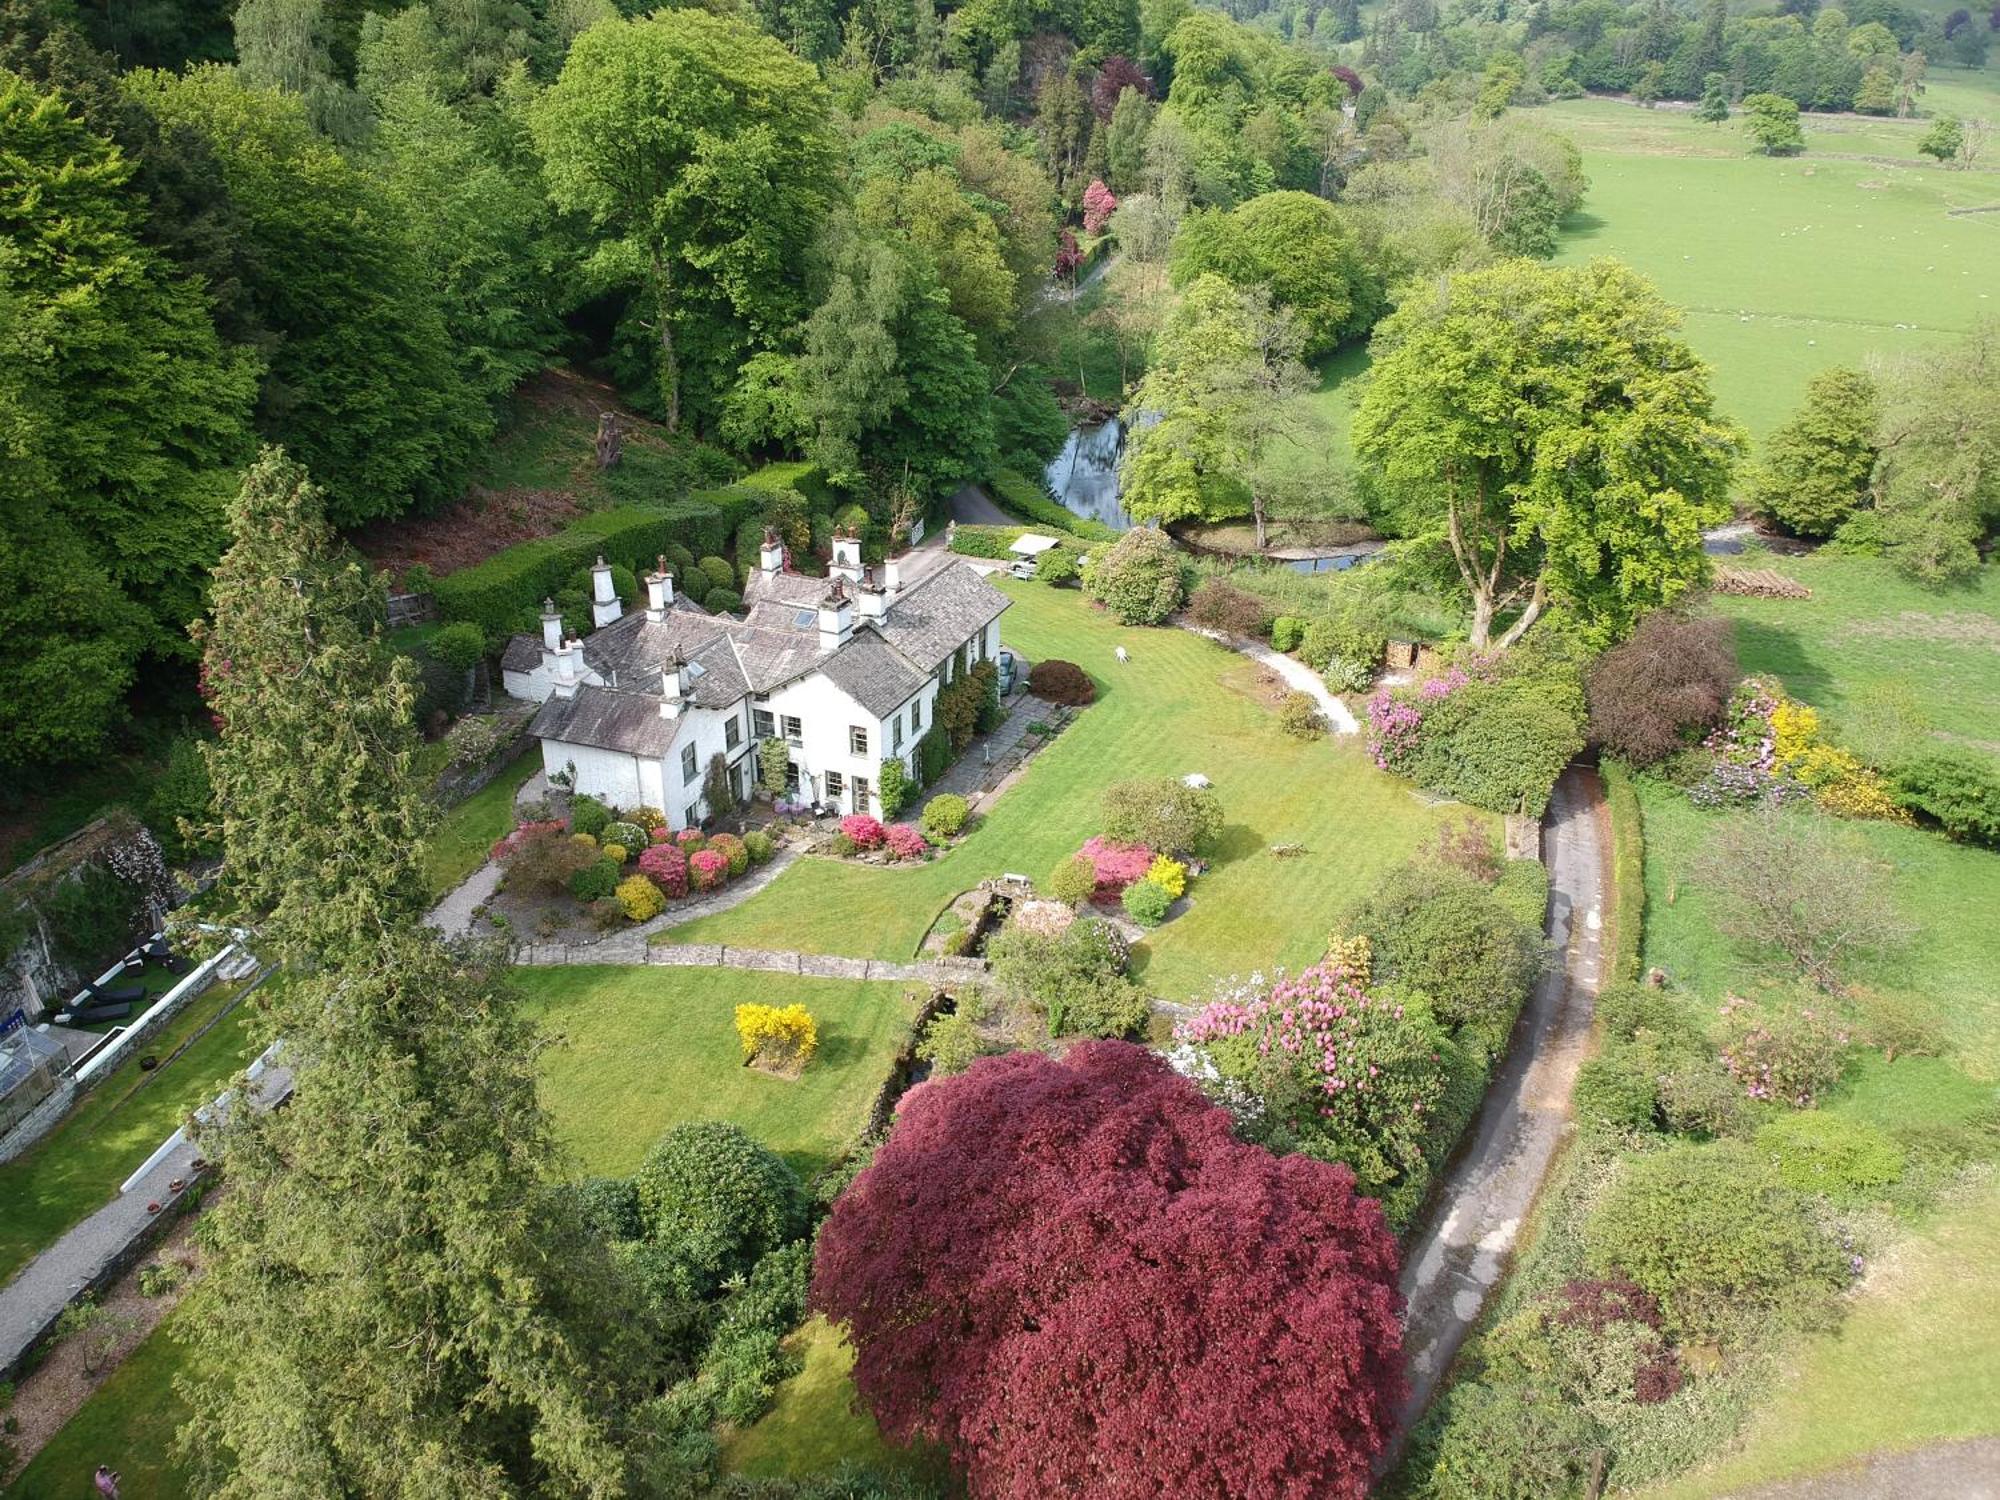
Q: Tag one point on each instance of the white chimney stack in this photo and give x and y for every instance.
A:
(771, 556)
(604, 605)
(566, 658)
(551, 627)
(846, 557)
(836, 617)
(659, 592)
(868, 594)
(673, 680)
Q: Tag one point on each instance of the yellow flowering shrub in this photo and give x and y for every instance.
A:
(640, 898)
(784, 1035)
(1169, 874)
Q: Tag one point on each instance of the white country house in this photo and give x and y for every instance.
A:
(844, 669)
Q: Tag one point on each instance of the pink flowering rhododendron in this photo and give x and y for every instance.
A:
(904, 842)
(1339, 1070)
(1099, 204)
(1071, 1274)
(1117, 865)
(863, 831)
(708, 868)
(667, 868)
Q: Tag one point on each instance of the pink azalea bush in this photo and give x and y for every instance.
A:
(863, 831)
(507, 845)
(709, 868)
(1099, 204)
(1333, 1069)
(1117, 865)
(904, 841)
(667, 868)
(1396, 716)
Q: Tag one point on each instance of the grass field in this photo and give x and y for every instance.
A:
(1785, 266)
(642, 1049)
(77, 1167)
(1896, 668)
(1180, 705)
(464, 834)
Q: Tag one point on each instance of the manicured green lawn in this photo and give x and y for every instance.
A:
(816, 1424)
(1913, 1363)
(1896, 668)
(642, 1049)
(466, 832)
(129, 1423)
(1785, 266)
(76, 1169)
(1182, 704)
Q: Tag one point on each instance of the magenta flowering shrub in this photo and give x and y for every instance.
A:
(709, 867)
(1117, 865)
(1341, 1073)
(1396, 716)
(1792, 1057)
(667, 868)
(865, 832)
(505, 846)
(903, 841)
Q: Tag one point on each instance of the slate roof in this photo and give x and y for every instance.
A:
(936, 616)
(608, 719)
(942, 604)
(873, 673)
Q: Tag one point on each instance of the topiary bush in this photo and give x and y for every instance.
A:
(944, 817)
(1141, 578)
(640, 898)
(595, 881)
(1147, 902)
(1061, 682)
(588, 815)
(718, 1199)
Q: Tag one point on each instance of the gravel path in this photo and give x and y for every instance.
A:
(1339, 717)
(1454, 1265)
(1968, 1469)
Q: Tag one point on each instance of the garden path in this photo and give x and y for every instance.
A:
(1452, 1268)
(1339, 717)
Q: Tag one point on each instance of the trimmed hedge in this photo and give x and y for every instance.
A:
(1628, 871)
(1022, 496)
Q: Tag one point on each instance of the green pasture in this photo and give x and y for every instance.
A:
(1180, 705)
(1785, 266)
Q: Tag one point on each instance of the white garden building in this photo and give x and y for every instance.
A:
(844, 669)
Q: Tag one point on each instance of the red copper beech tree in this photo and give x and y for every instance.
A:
(1070, 1274)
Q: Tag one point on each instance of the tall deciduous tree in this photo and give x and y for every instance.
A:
(1218, 397)
(121, 417)
(1816, 467)
(1072, 1275)
(1552, 430)
(700, 148)
(362, 387)
(395, 1306)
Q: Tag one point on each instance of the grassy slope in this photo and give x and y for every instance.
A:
(1784, 266)
(129, 1422)
(77, 1167)
(1180, 705)
(1913, 1361)
(464, 834)
(646, 1048)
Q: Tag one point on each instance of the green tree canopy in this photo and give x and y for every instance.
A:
(1554, 433)
(1297, 246)
(1816, 467)
(700, 150)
